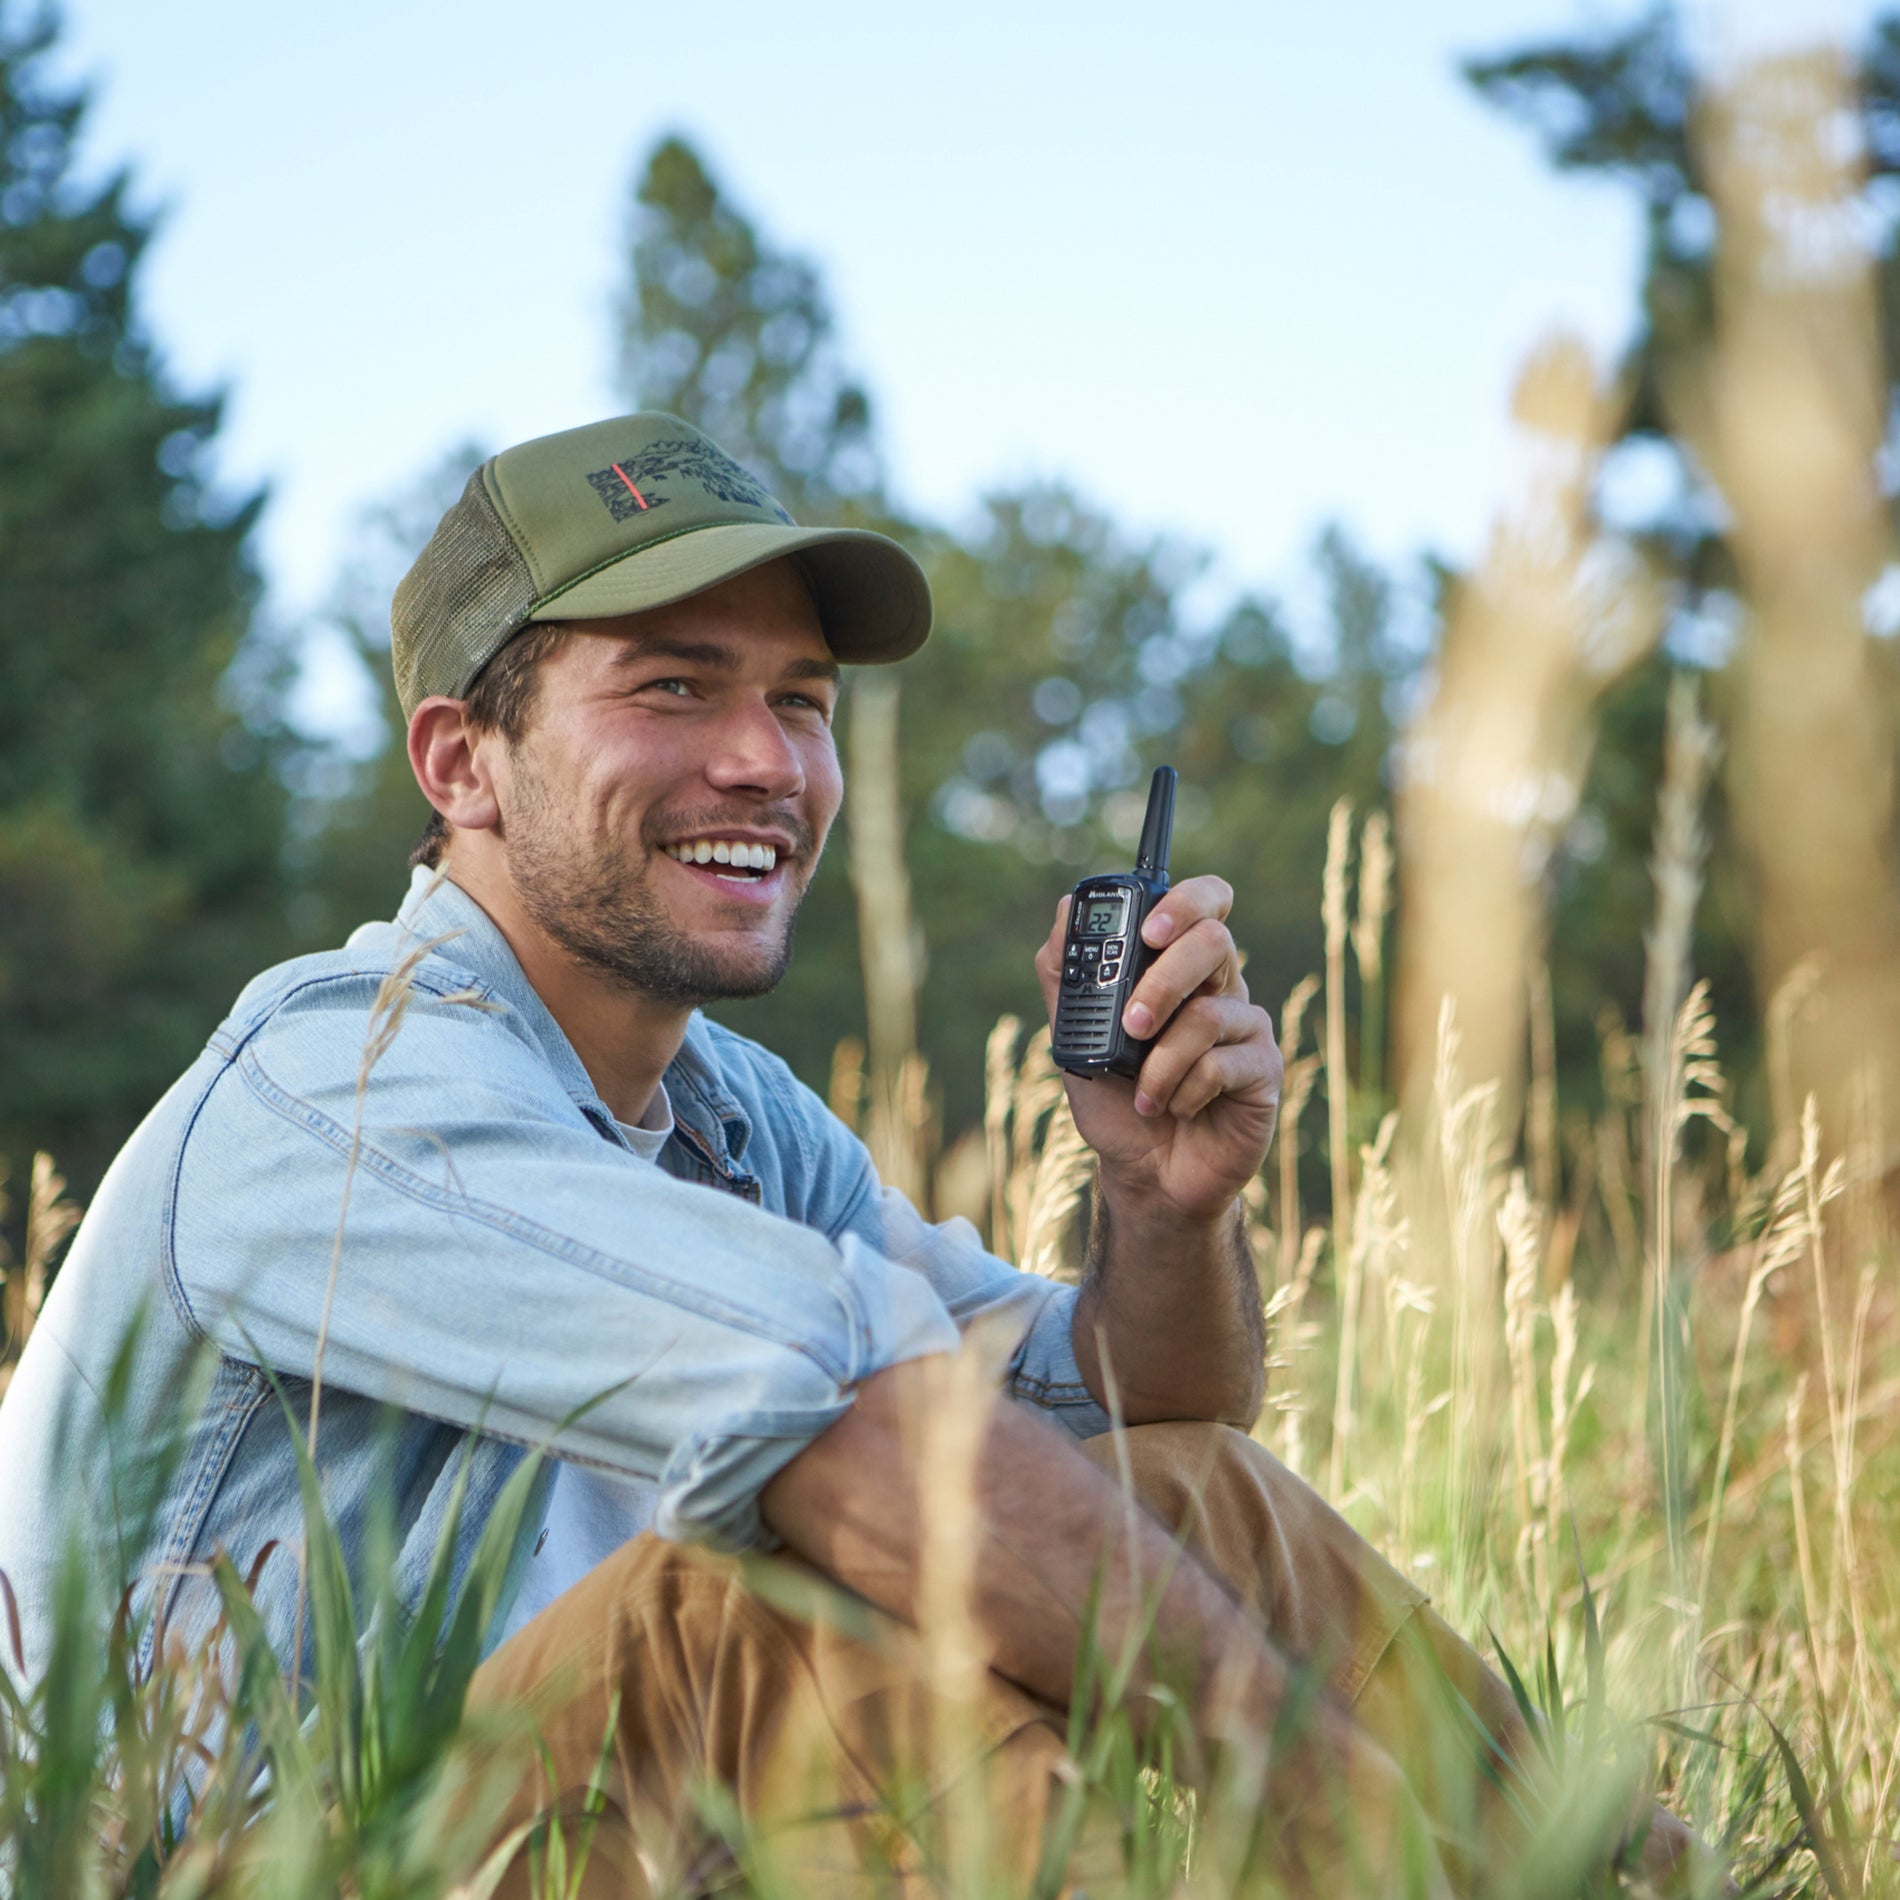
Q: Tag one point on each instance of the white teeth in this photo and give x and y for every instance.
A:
(754, 857)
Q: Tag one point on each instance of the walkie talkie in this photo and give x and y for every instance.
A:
(1104, 957)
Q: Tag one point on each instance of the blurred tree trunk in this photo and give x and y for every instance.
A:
(887, 938)
(1493, 768)
(1789, 414)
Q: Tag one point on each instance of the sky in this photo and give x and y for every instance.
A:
(1234, 270)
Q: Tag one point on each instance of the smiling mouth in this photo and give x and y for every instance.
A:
(734, 860)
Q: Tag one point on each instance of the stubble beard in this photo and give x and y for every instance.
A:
(595, 899)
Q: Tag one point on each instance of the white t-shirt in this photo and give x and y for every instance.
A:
(591, 1513)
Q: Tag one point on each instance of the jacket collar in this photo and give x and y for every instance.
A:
(438, 913)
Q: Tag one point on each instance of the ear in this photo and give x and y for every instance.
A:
(452, 766)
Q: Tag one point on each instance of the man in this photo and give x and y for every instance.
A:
(488, 1167)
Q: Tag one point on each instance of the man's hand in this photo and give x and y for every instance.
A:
(1194, 1128)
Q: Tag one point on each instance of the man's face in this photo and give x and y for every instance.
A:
(656, 740)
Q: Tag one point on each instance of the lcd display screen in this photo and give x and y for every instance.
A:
(1102, 917)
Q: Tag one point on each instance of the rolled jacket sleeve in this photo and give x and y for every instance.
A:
(977, 1286)
(472, 1248)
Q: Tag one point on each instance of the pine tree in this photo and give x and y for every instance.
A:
(140, 814)
(722, 327)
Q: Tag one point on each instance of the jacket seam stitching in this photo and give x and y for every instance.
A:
(612, 1268)
(779, 1083)
(168, 1226)
(195, 1508)
(851, 1209)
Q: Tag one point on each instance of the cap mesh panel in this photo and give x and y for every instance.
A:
(468, 594)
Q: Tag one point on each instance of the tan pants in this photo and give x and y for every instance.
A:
(828, 1733)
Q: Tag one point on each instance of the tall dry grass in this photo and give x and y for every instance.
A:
(1622, 1386)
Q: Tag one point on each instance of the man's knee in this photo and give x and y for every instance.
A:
(647, 1604)
(1319, 1588)
(1195, 1476)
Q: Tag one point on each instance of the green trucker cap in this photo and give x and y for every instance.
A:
(620, 516)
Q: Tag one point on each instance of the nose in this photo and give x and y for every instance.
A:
(755, 753)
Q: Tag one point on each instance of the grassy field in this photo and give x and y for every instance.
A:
(1645, 1435)
(1620, 1386)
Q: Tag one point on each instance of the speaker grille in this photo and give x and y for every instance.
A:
(1085, 1024)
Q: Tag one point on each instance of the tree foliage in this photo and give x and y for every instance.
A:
(1621, 106)
(722, 327)
(140, 814)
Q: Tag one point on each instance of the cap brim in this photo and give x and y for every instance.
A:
(872, 599)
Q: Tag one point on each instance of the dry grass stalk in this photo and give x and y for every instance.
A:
(1844, 1625)
(845, 1093)
(956, 1652)
(1689, 752)
(1464, 1129)
(900, 1125)
(999, 1095)
(1618, 1187)
(1518, 1228)
(1676, 859)
(1291, 1335)
(1803, 1541)
(1783, 1241)
(1049, 1163)
(1409, 1317)
(1379, 1236)
(1850, 1580)
(1338, 1085)
(1368, 947)
(1382, 1232)
(1690, 748)
(1832, 1383)
(1296, 1090)
(1692, 1087)
(1565, 1401)
(389, 1008)
(50, 1219)
(1066, 1168)
(1793, 996)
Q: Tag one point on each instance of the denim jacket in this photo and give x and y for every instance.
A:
(392, 1147)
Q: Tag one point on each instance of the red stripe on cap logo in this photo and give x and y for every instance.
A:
(631, 490)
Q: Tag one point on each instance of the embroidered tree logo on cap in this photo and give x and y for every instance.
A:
(632, 485)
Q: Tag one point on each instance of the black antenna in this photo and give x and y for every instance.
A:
(1157, 829)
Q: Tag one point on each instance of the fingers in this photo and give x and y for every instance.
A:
(1049, 957)
(1194, 900)
(1202, 961)
(1215, 1046)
